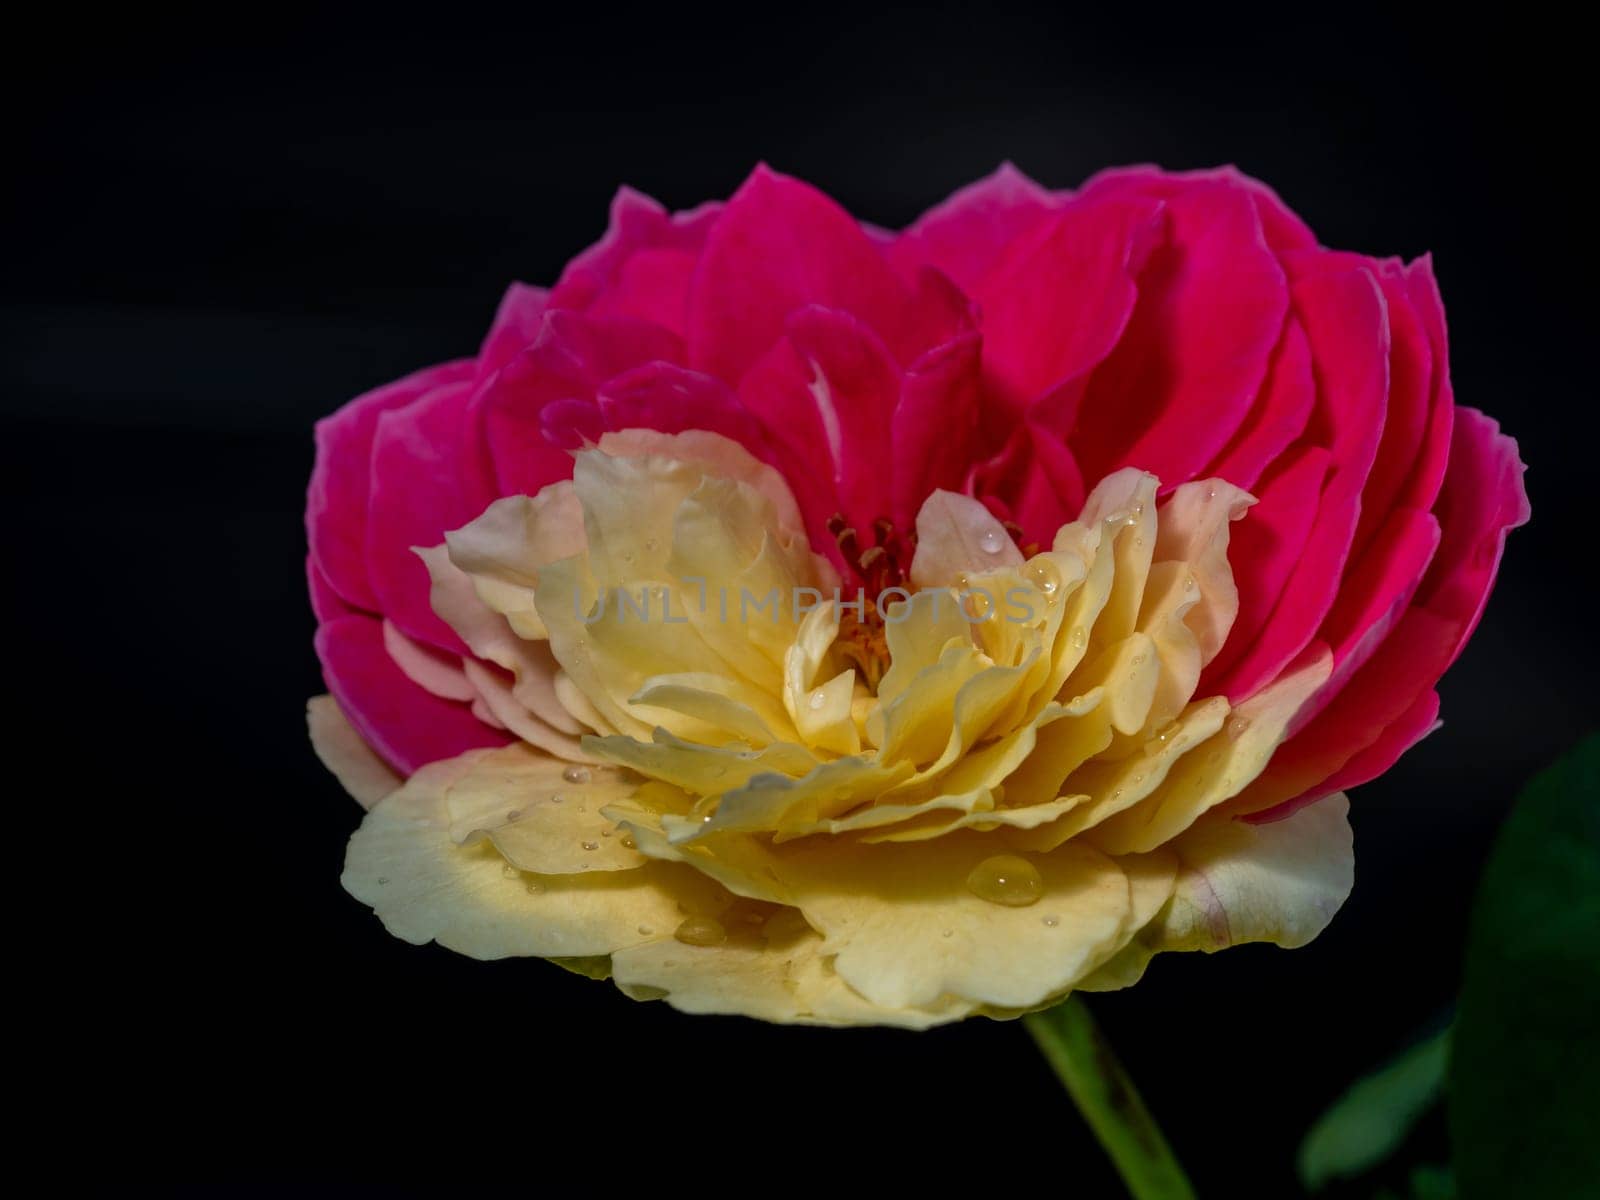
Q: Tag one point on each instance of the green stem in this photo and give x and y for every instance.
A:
(1082, 1059)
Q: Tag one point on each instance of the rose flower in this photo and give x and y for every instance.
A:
(790, 618)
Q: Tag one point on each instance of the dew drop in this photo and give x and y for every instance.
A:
(1052, 922)
(645, 931)
(1006, 879)
(576, 774)
(605, 833)
(509, 871)
(1044, 578)
(1080, 637)
(591, 845)
(1138, 543)
(701, 931)
(650, 543)
(1189, 584)
(991, 541)
(557, 798)
(1137, 660)
(818, 699)
(514, 815)
(948, 933)
(629, 843)
(1211, 493)
(534, 888)
(1238, 727)
(1165, 735)
(382, 879)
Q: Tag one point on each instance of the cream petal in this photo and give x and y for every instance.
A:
(502, 550)
(404, 864)
(907, 932)
(780, 977)
(716, 456)
(702, 770)
(1194, 530)
(957, 535)
(1281, 882)
(431, 670)
(1218, 768)
(354, 764)
(541, 814)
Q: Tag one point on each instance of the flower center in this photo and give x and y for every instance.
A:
(876, 568)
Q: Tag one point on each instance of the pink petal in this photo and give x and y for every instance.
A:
(571, 357)
(825, 396)
(1427, 472)
(326, 603)
(516, 324)
(966, 234)
(672, 399)
(430, 472)
(652, 286)
(336, 502)
(1483, 499)
(1212, 303)
(1263, 550)
(1345, 320)
(1279, 416)
(1380, 711)
(933, 425)
(1059, 298)
(403, 723)
(638, 224)
(778, 246)
(1284, 230)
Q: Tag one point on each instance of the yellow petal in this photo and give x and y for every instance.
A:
(343, 751)
(541, 814)
(404, 864)
(1281, 882)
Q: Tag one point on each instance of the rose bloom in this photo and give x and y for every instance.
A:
(1155, 525)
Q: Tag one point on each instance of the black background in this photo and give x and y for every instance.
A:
(222, 228)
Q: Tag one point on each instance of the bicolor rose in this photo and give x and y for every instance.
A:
(1094, 544)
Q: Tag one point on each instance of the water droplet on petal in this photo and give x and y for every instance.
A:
(645, 931)
(509, 871)
(1237, 727)
(948, 933)
(818, 699)
(605, 833)
(991, 541)
(534, 887)
(1006, 879)
(557, 798)
(576, 774)
(1080, 637)
(514, 815)
(629, 843)
(701, 931)
(1052, 922)
(591, 845)
(382, 879)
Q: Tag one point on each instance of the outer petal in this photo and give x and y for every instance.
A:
(779, 246)
(402, 722)
(1212, 302)
(1238, 883)
(424, 887)
(430, 473)
(353, 763)
(967, 233)
(336, 503)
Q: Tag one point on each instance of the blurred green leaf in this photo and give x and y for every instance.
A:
(1371, 1120)
(1524, 1081)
